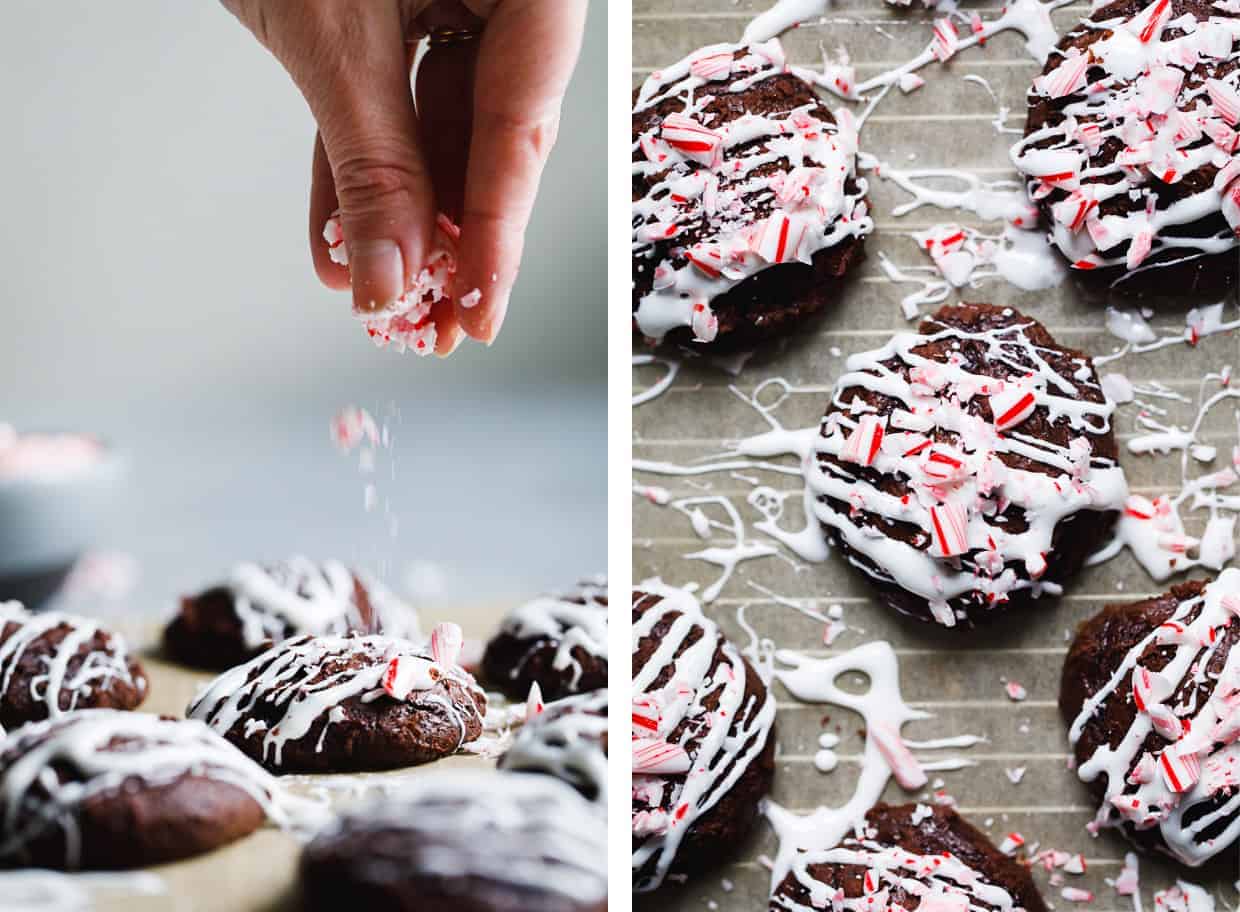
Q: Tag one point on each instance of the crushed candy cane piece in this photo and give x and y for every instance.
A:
(406, 674)
(652, 757)
(446, 642)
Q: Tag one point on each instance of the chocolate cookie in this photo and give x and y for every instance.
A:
(568, 740)
(52, 663)
(344, 704)
(1130, 147)
(747, 208)
(913, 857)
(967, 467)
(105, 789)
(556, 642)
(487, 842)
(259, 605)
(1152, 694)
(703, 739)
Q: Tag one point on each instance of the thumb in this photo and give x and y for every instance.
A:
(356, 81)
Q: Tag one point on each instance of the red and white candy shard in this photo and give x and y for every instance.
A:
(652, 757)
(470, 299)
(446, 643)
(904, 766)
(408, 674)
(712, 176)
(864, 443)
(534, 702)
(1142, 101)
(353, 425)
(1012, 405)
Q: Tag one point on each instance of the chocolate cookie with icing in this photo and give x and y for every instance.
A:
(1130, 146)
(568, 740)
(703, 739)
(52, 663)
(262, 604)
(967, 468)
(915, 857)
(101, 789)
(557, 642)
(748, 212)
(487, 842)
(1151, 692)
(345, 704)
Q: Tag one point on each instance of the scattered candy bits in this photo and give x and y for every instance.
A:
(407, 324)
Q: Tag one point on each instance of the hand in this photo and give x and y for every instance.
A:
(473, 147)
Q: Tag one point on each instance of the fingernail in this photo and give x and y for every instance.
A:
(499, 310)
(378, 272)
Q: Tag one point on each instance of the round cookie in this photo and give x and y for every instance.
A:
(450, 842)
(258, 605)
(1151, 691)
(343, 704)
(911, 857)
(967, 467)
(703, 739)
(556, 642)
(747, 208)
(1136, 175)
(105, 789)
(568, 740)
(52, 663)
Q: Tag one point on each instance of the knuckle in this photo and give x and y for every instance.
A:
(537, 133)
(373, 182)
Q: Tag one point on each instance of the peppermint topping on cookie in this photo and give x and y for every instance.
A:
(1177, 766)
(1130, 145)
(961, 508)
(694, 732)
(307, 679)
(753, 191)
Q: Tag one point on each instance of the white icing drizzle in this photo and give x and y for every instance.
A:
(752, 220)
(728, 738)
(575, 620)
(78, 741)
(310, 597)
(940, 881)
(530, 832)
(1187, 786)
(565, 741)
(308, 678)
(1172, 130)
(96, 671)
(983, 559)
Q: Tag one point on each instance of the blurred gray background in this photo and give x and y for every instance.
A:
(157, 289)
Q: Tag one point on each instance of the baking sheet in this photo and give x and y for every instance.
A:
(258, 873)
(947, 123)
